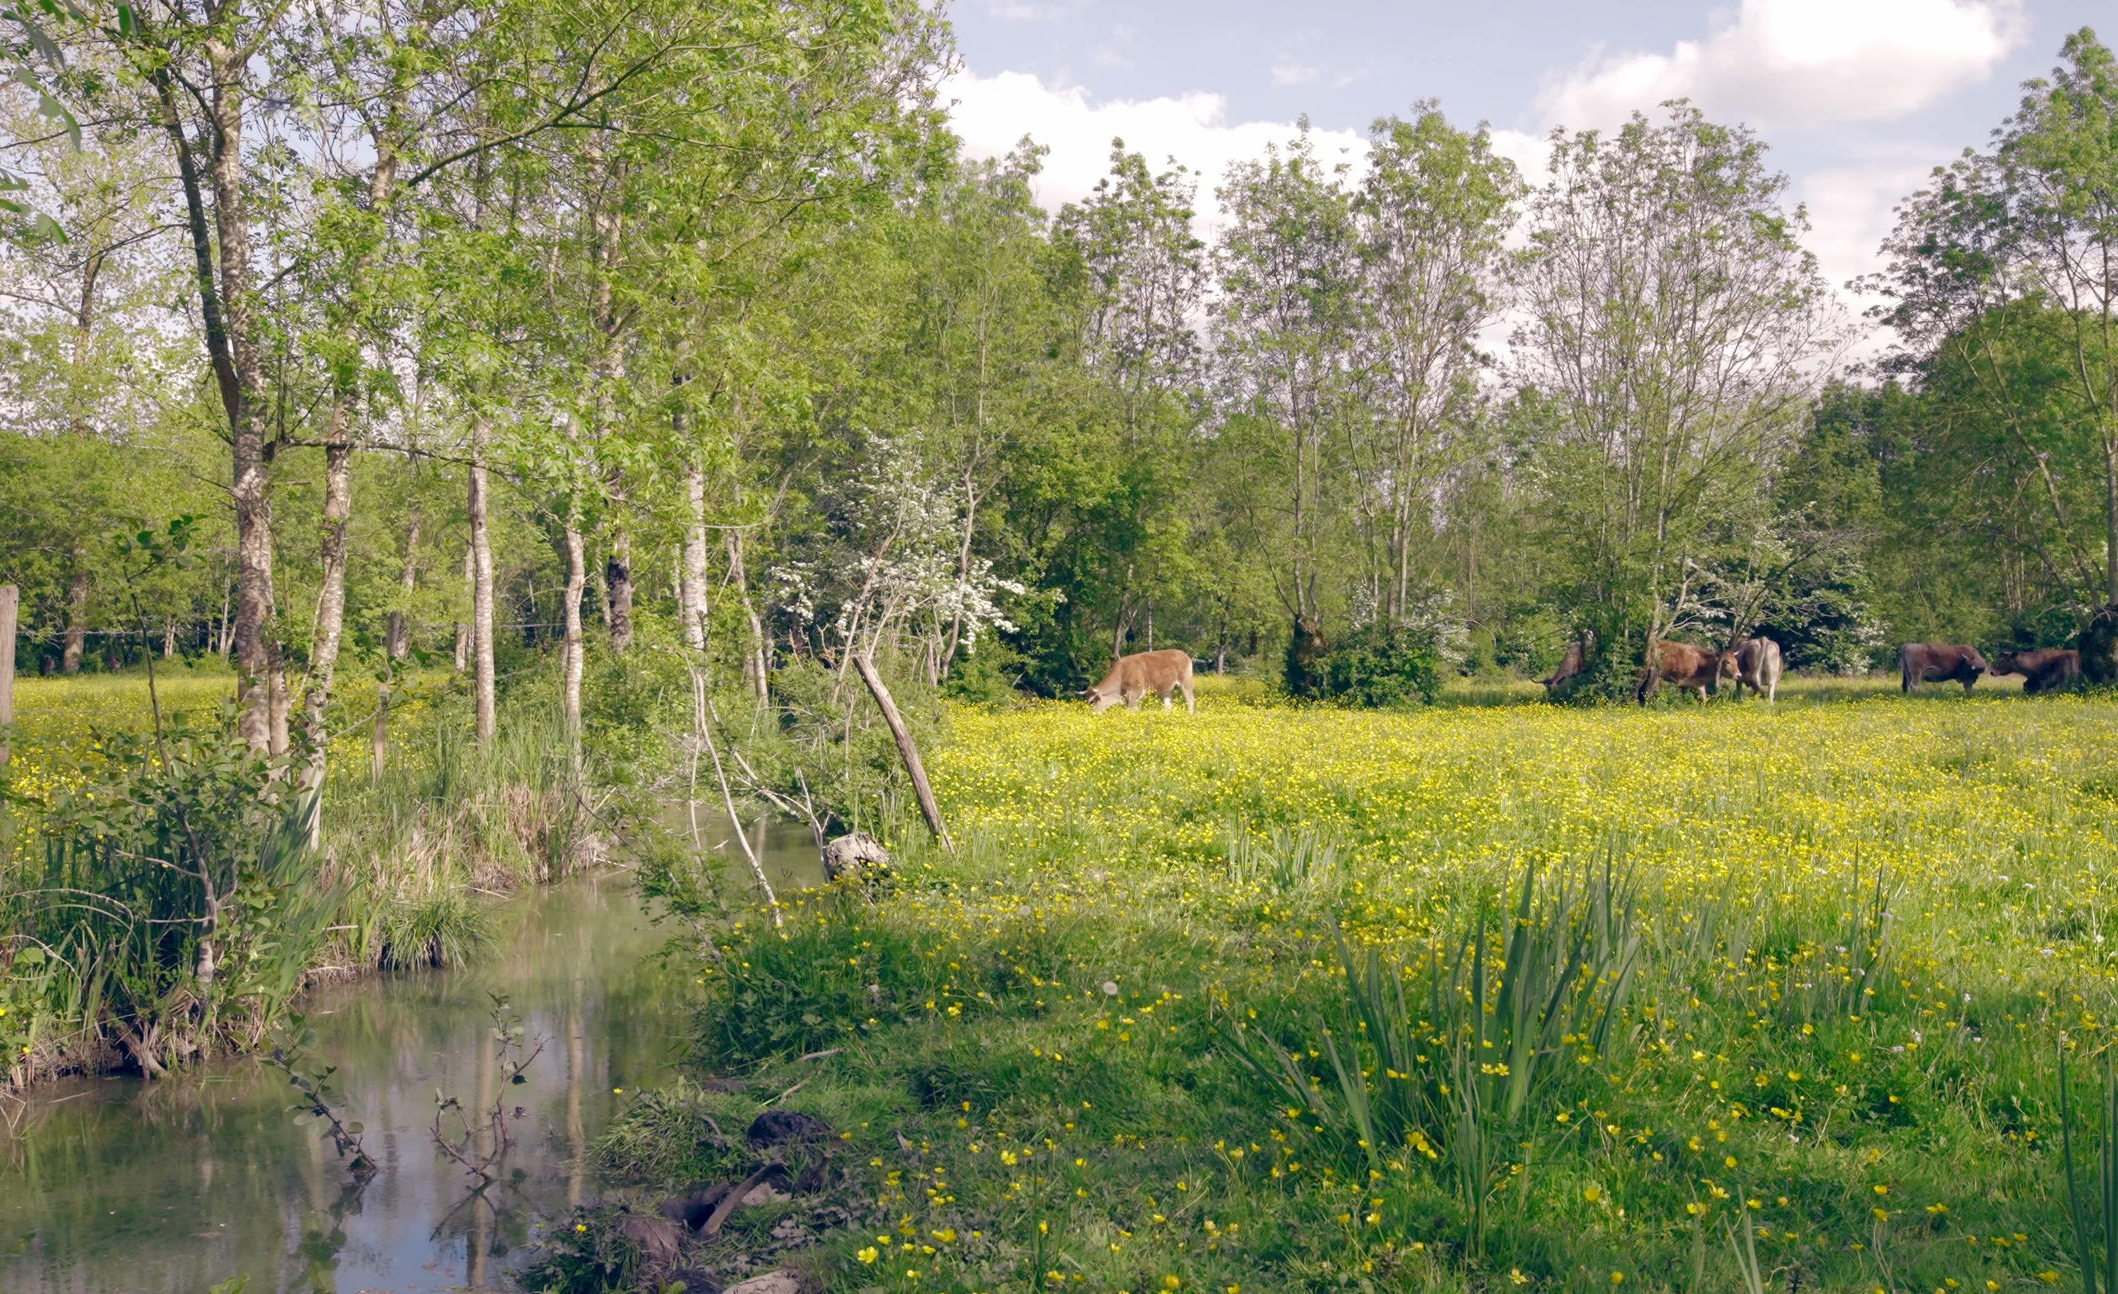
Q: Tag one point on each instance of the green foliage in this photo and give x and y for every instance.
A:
(180, 903)
(1380, 666)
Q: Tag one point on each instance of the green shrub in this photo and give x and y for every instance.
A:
(1380, 667)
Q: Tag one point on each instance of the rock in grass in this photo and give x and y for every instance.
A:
(776, 1127)
(855, 856)
(779, 1282)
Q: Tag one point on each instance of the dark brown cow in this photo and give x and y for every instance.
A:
(1919, 663)
(1691, 668)
(1571, 666)
(2048, 669)
(1132, 677)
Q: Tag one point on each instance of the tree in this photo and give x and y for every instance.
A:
(1674, 323)
(1432, 210)
(1289, 317)
(2004, 270)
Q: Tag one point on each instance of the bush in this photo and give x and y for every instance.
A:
(1379, 667)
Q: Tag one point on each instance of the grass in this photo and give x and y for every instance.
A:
(1481, 997)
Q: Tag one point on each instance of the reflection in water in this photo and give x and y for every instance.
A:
(117, 1184)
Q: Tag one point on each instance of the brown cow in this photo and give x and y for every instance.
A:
(2048, 669)
(1691, 668)
(1919, 663)
(1755, 661)
(1571, 666)
(1132, 677)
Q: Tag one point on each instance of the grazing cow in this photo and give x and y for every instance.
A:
(1133, 677)
(1755, 661)
(2048, 669)
(1571, 667)
(1919, 663)
(1692, 668)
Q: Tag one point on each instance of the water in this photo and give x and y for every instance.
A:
(118, 1184)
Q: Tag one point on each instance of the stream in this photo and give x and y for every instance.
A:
(169, 1187)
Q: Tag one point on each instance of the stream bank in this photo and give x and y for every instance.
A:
(117, 1184)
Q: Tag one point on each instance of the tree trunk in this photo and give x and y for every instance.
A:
(617, 576)
(906, 750)
(169, 638)
(275, 697)
(463, 627)
(331, 598)
(400, 638)
(76, 613)
(10, 601)
(692, 589)
(757, 663)
(481, 583)
(250, 475)
(379, 738)
(2110, 518)
(571, 649)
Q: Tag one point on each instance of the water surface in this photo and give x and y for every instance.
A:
(119, 1184)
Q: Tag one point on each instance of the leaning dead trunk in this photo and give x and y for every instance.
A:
(906, 749)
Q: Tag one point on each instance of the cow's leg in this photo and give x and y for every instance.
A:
(1165, 700)
(1190, 702)
(1772, 694)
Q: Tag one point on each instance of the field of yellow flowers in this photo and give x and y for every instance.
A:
(1480, 997)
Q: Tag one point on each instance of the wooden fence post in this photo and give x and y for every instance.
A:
(905, 748)
(10, 600)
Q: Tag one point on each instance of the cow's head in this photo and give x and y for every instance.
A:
(2006, 662)
(1099, 700)
(1726, 666)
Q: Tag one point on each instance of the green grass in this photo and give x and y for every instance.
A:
(1782, 1005)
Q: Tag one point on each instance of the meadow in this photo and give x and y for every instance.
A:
(1480, 997)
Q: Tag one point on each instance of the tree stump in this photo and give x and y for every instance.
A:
(2099, 647)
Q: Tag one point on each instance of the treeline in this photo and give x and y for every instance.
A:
(464, 331)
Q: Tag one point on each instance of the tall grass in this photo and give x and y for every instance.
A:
(131, 865)
(1469, 1071)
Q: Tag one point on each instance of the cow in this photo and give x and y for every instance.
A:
(1571, 667)
(1689, 667)
(1919, 663)
(2048, 669)
(1132, 677)
(1755, 661)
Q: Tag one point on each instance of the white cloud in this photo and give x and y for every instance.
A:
(992, 113)
(1287, 72)
(1028, 10)
(1851, 211)
(1801, 63)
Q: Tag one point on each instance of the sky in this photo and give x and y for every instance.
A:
(1858, 99)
